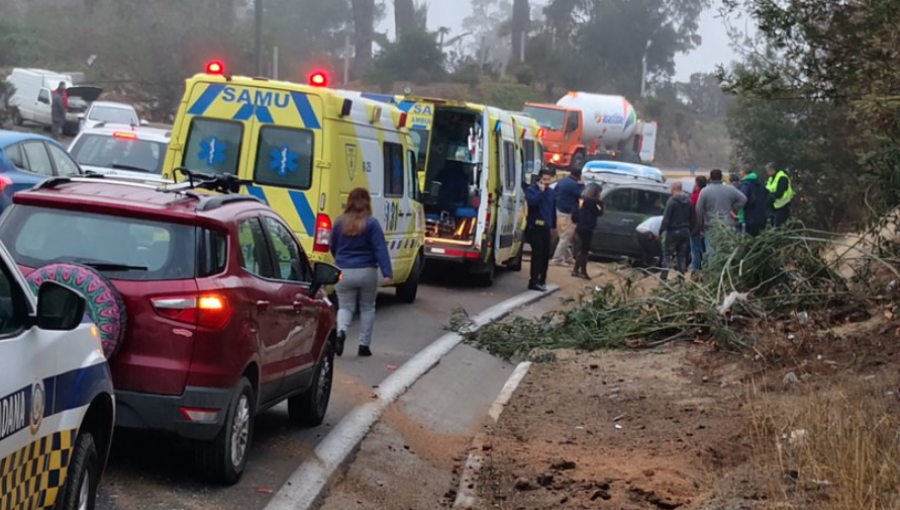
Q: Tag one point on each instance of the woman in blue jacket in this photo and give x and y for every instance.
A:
(359, 249)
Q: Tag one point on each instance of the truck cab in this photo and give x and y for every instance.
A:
(563, 134)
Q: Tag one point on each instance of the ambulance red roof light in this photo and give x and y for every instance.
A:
(318, 79)
(215, 67)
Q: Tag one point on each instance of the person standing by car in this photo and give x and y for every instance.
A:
(717, 204)
(779, 185)
(568, 194)
(59, 105)
(756, 211)
(541, 223)
(359, 249)
(677, 224)
(698, 242)
(585, 223)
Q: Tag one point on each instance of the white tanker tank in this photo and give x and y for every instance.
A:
(607, 119)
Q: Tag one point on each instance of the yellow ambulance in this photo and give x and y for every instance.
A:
(305, 148)
(472, 173)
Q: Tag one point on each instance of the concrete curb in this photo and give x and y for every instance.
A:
(307, 484)
(467, 494)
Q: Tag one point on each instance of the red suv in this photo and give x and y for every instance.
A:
(225, 315)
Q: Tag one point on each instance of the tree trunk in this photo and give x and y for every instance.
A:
(404, 17)
(364, 34)
(521, 21)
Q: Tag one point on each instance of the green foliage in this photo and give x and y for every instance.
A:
(830, 70)
(749, 281)
(416, 57)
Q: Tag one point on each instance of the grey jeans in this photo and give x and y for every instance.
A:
(357, 291)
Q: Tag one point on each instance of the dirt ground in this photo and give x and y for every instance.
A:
(685, 426)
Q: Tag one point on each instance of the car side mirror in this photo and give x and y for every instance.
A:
(324, 275)
(59, 308)
(145, 122)
(435, 190)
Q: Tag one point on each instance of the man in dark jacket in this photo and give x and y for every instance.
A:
(677, 224)
(757, 207)
(58, 109)
(541, 222)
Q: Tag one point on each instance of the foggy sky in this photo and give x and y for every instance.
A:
(715, 49)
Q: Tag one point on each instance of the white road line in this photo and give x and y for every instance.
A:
(467, 494)
(307, 484)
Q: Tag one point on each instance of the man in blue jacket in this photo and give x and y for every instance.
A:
(541, 222)
(568, 196)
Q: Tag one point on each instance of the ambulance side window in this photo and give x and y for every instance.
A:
(393, 170)
(13, 310)
(509, 158)
(413, 190)
(284, 158)
(214, 146)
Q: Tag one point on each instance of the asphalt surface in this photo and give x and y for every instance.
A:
(148, 472)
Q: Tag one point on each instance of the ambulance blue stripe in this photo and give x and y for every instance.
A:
(307, 215)
(206, 99)
(257, 192)
(76, 388)
(419, 126)
(304, 107)
(406, 106)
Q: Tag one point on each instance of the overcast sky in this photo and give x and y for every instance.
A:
(715, 50)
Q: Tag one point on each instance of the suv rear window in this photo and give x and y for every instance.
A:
(120, 248)
(214, 146)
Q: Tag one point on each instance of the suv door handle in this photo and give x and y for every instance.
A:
(262, 306)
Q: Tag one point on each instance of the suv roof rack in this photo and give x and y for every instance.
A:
(228, 185)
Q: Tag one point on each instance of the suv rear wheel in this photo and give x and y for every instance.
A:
(224, 458)
(308, 409)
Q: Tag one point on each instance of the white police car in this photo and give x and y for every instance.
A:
(56, 396)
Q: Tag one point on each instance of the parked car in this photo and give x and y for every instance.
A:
(624, 169)
(226, 316)
(27, 159)
(121, 150)
(106, 112)
(56, 396)
(31, 100)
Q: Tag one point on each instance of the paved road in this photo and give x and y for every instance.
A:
(158, 473)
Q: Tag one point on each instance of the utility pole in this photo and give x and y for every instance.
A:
(275, 63)
(348, 54)
(258, 18)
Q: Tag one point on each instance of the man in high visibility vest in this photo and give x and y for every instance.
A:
(782, 193)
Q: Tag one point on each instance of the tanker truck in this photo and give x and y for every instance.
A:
(582, 127)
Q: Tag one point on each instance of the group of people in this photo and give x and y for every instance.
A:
(747, 205)
(572, 210)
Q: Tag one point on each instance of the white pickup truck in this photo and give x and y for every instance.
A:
(32, 100)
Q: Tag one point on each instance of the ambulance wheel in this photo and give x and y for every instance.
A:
(407, 291)
(308, 409)
(516, 264)
(486, 279)
(80, 490)
(223, 459)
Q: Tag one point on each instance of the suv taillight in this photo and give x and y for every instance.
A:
(205, 310)
(322, 243)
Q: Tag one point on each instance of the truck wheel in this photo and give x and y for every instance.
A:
(80, 491)
(17, 117)
(578, 160)
(223, 459)
(407, 291)
(308, 409)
